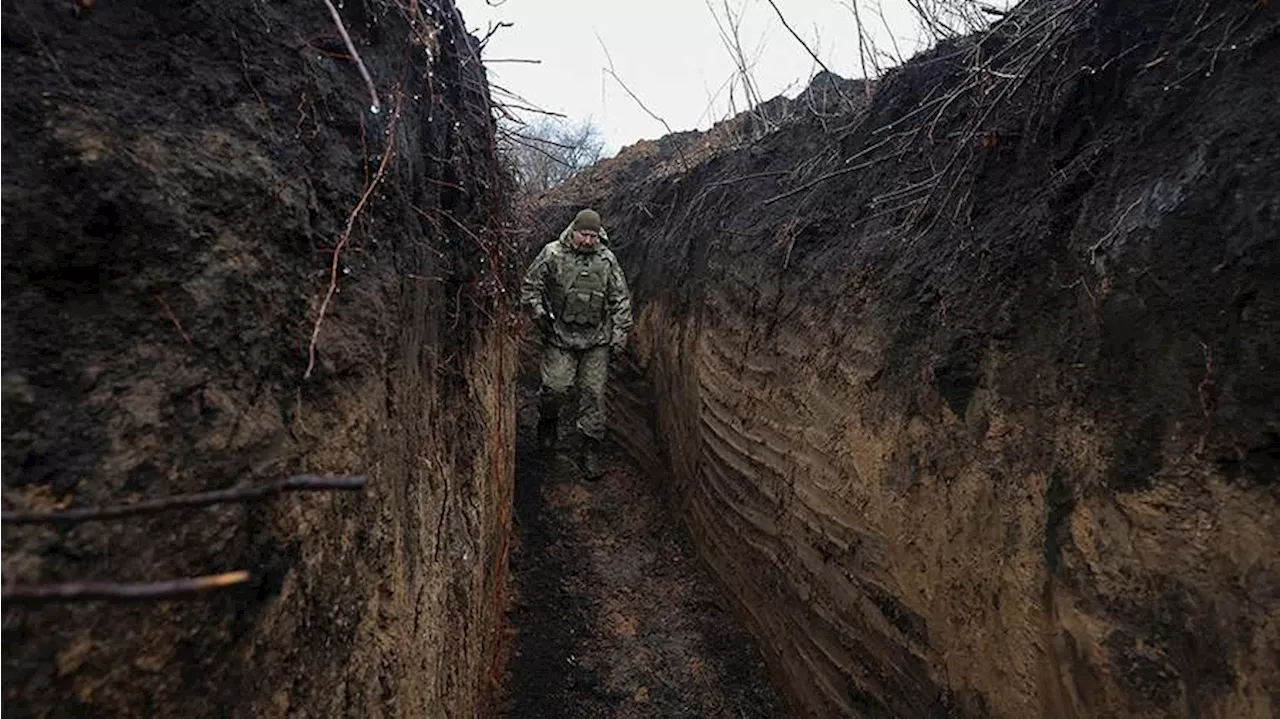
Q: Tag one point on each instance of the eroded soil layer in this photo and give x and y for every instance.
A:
(968, 391)
(177, 179)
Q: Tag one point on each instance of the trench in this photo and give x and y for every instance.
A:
(965, 413)
(985, 428)
(613, 612)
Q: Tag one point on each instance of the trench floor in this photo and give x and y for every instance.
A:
(614, 614)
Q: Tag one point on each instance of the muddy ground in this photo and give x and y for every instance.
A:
(614, 614)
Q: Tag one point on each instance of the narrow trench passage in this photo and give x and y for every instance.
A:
(614, 614)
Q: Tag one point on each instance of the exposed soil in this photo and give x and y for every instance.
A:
(177, 177)
(965, 392)
(614, 614)
(969, 395)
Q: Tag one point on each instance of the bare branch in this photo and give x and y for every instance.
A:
(258, 493)
(112, 591)
(744, 178)
(364, 71)
(532, 144)
(541, 140)
(807, 49)
(837, 173)
(168, 311)
(500, 90)
(731, 36)
(526, 108)
(484, 42)
(863, 41)
(614, 74)
(711, 99)
(893, 39)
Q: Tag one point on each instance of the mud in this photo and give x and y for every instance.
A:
(968, 394)
(614, 614)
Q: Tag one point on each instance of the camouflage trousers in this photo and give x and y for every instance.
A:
(589, 370)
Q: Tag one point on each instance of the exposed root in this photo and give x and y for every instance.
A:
(1207, 401)
(168, 312)
(113, 591)
(258, 493)
(387, 154)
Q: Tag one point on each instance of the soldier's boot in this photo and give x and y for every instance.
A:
(591, 459)
(548, 431)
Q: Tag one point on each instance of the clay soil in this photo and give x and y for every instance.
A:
(614, 614)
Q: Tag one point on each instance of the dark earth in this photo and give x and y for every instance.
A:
(965, 391)
(177, 181)
(614, 614)
(968, 393)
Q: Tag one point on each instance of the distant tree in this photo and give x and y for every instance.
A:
(548, 151)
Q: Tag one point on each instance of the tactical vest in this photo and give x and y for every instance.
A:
(584, 281)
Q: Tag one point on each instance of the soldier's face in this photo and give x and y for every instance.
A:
(585, 238)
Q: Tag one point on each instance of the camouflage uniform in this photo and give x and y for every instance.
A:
(580, 302)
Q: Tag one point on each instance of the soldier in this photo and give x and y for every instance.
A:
(578, 296)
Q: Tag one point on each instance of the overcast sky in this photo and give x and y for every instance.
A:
(670, 54)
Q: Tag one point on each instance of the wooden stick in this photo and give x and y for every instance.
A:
(376, 107)
(121, 592)
(300, 483)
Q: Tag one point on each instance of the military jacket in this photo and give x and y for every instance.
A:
(580, 296)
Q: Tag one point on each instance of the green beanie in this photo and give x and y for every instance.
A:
(587, 220)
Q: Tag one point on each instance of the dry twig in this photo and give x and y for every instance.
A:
(730, 30)
(113, 591)
(613, 73)
(257, 493)
(484, 41)
(48, 54)
(173, 318)
(807, 49)
(829, 175)
(364, 71)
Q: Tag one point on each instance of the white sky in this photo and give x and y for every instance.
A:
(669, 53)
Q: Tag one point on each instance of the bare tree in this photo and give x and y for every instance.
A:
(549, 150)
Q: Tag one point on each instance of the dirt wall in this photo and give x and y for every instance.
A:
(969, 397)
(177, 177)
